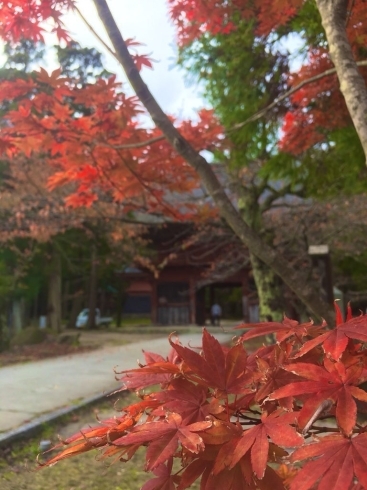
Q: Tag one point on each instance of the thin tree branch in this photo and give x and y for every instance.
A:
(132, 146)
(262, 112)
(95, 33)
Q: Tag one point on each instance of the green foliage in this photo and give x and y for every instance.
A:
(6, 280)
(241, 74)
(21, 57)
(355, 268)
(339, 160)
(307, 23)
(82, 64)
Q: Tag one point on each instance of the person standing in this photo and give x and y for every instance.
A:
(216, 314)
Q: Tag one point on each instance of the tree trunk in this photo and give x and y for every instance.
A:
(3, 344)
(92, 302)
(54, 293)
(4, 330)
(293, 278)
(268, 289)
(65, 299)
(76, 308)
(268, 284)
(17, 316)
(334, 15)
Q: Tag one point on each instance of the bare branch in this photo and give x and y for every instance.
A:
(262, 112)
(132, 146)
(94, 32)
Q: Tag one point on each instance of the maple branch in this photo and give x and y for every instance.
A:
(248, 236)
(323, 407)
(132, 146)
(321, 430)
(144, 185)
(262, 112)
(95, 33)
(275, 194)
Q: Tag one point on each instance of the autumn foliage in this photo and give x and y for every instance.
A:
(289, 415)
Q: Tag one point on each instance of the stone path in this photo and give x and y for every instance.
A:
(28, 391)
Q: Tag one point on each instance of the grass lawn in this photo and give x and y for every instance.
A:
(18, 467)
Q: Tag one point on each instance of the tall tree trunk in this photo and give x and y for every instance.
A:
(92, 302)
(65, 299)
(76, 308)
(54, 293)
(293, 278)
(269, 289)
(3, 344)
(334, 14)
(268, 284)
(4, 325)
(17, 315)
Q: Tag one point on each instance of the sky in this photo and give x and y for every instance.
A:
(148, 22)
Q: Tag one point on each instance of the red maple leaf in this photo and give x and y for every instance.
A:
(142, 60)
(338, 460)
(188, 399)
(334, 342)
(335, 382)
(92, 438)
(276, 426)
(164, 480)
(163, 438)
(222, 369)
(272, 375)
(283, 330)
(157, 371)
(240, 477)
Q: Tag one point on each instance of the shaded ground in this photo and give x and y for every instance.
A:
(84, 340)
(36, 352)
(94, 339)
(18, 467)
(88, 340)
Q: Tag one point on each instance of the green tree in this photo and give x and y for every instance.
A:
(241, 74)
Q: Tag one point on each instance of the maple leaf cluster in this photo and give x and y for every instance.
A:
(20, 19)
(93, 139)
(193, 18)
(284, 416)
(319, 106)
(316, 109)
(310, 116)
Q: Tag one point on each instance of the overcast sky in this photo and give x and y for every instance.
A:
(148, 22)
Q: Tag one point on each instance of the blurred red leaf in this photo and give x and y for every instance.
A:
(338, 459)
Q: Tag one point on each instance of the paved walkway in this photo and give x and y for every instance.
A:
(28, 391)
